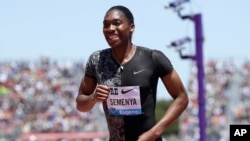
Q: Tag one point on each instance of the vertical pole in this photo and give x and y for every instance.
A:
(199, 60)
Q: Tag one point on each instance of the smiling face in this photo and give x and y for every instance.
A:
(117, 29)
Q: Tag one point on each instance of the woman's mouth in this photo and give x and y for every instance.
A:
(112, 38)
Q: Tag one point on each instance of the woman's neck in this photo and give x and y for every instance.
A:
(124, 54)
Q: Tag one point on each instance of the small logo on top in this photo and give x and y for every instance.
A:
(126, 91)
(137, 72)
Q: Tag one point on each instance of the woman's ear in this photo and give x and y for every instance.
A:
(132, 28)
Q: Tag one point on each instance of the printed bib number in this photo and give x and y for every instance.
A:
(124, 101)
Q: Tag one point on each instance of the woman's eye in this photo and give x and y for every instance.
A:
(105, 25)
(114, 23)
(117, 23)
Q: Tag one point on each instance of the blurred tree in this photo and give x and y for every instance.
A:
(161, 107)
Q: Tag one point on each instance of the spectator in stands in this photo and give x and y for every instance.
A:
(125, 77)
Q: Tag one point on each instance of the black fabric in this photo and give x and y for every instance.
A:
(143, 70)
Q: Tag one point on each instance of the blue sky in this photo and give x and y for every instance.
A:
(72, 29)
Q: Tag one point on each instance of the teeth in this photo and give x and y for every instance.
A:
(113, 37)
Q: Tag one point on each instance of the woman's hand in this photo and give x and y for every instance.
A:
(147, 136)
(101, 93)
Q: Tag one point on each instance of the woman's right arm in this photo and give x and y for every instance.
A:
(89, 93)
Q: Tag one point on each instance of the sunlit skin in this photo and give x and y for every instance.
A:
(118, 30)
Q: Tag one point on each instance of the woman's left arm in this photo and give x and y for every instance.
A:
(176, 89)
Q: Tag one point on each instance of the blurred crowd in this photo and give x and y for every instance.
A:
(242, 110)
(227, 94)
(39, 97)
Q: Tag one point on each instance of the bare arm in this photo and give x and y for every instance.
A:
(176, 89)
(89, 93)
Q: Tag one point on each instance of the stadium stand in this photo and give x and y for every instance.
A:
(37, 100)
(39, 97)
(227, 100)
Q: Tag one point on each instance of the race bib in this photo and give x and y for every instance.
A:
(124, 101)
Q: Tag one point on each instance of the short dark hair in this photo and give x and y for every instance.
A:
(128, 14)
